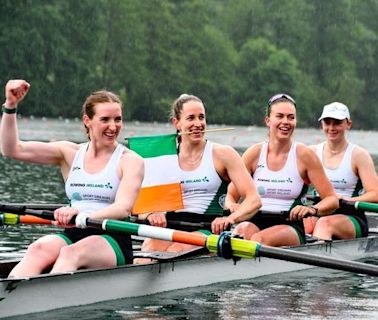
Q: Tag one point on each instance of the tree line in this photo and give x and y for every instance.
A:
(233, 54)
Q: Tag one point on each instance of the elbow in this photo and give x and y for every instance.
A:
(258, 204)
(7, 152)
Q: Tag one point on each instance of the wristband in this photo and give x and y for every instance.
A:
(81, 220)
(8, 110)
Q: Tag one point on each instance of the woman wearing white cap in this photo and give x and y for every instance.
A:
(351, 171)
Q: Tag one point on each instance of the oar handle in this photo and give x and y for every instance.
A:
(10, 208)
(360, 205)
(23, 210)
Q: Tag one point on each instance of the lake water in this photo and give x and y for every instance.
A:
(315, 294)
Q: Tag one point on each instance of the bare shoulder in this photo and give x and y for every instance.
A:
(360, 155)
(67, 145)
(306, 153)
(66, 149)
(223, 150)
(254, 149)
(130, 156)
(313, 147)
(224, 156)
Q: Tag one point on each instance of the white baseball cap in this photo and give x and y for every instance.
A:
(335, 110)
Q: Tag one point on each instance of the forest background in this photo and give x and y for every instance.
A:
(234, 54)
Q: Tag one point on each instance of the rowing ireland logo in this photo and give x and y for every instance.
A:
(222, 200)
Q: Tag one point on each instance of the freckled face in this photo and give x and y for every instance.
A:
(282, 119)
(106, 124)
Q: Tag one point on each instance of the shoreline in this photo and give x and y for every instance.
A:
(241, 137)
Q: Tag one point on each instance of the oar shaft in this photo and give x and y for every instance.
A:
(366, 206)
(131, 228)
(319, 261)
(40, 206)
(240, 248)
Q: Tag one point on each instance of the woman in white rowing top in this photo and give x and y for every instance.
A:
(102, 180)
(282, 171)
(206, 168)
(351, 171)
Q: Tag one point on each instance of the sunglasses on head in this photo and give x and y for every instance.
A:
(280, 96)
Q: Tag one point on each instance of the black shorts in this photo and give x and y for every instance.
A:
(200, 221)
(358, 216)
(264, 221)
(121, 243)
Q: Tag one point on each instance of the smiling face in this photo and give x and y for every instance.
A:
(102, 116)
(281, 120)
(335, 129)
(192, 119)
(106, 123)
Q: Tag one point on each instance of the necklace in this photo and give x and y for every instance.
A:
(193, 161)
(336, 152)
(190, 161)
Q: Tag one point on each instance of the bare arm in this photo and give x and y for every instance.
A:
(249, 158)
(31, 151)
(132, 170)
(365, 169)
(312, 170)
(243, 185)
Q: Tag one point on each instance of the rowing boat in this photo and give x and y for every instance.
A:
(169, 272)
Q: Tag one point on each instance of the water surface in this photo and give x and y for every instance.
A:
(313, 294)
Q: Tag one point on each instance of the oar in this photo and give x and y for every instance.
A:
(222, 244)
(38, 206)
(14, 219)
(240, 248)
(360, 205)
(23, 210)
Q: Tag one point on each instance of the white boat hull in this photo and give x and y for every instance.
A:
(48, 292)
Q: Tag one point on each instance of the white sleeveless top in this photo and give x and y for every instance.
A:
(91, 192)
(343, 179)
(279, 190)
(203, 190)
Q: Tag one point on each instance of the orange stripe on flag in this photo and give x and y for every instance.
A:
(155, 198)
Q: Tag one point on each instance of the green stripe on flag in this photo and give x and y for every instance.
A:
(153, 146)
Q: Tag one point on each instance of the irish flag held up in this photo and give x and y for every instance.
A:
(161, 188)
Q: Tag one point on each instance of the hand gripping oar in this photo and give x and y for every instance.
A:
(23, 210)
(223, 245)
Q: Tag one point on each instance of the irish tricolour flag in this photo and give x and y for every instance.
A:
(161, 188)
